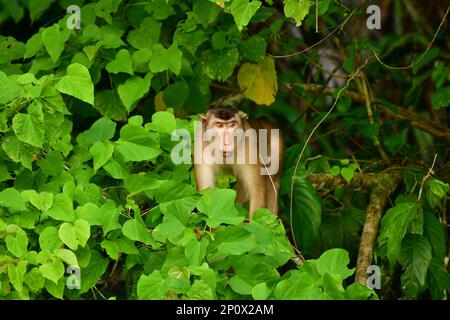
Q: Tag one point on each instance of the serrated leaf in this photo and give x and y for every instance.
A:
(414, 257)
(394, 225)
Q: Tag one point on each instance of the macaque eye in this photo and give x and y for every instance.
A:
(219, 125)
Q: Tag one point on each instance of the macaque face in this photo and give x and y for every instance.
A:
(226, 131)
(225, 124)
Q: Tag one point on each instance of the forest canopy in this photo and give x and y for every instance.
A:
(93, 207)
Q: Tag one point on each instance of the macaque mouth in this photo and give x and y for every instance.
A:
(227, 154)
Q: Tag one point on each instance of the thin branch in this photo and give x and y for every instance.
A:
(413, 63)
(430, 171)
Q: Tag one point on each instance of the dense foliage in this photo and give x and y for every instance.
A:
(92, 206)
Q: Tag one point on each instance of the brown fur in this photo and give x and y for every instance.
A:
(260, 190)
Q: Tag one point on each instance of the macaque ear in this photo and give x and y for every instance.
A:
(202, 118)
(243, 115)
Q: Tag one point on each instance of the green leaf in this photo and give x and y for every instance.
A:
(9, 89)
(77, 83)
(307, 214)
(347, 173)
(163, 121)
(414, 257)
(112, 248)
(334, 262)
(195, 251)
(74, 235)
(240, 286)
(43, 201)
(260, 291)
(102, 129)
(89, 212)
(243, 11)
(108, 103)
(37, 7)
(104, 8)
(16, 274)
(137, 231)
(152, 287)
(30, 127)
(133, 89)
(166, 59)
(299, 286)
(17, 244)
(394, 225)
(175, 95)
(67, 256)
(62, 208)
(93, 272)
(136, 183)
(109, 216)
(101, 153)
(357, 291)
(201, 290)
(434, 231)
(49, 239)
(122, 63)
(170, 227)
(205, 12)
(11, 198)
(52, 269)
(34, 280)
(54, 40)
(219, 206)
(254, 49)
(438, 279)
(296, 9)
(219, 64)
(137, 144)
(233, 240)
(55, 289)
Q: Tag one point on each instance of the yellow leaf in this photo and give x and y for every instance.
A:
(159, 102)
(259, 81)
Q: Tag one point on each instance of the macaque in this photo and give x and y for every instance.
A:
(252, 150)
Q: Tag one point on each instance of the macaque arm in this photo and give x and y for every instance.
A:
(204, 176)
